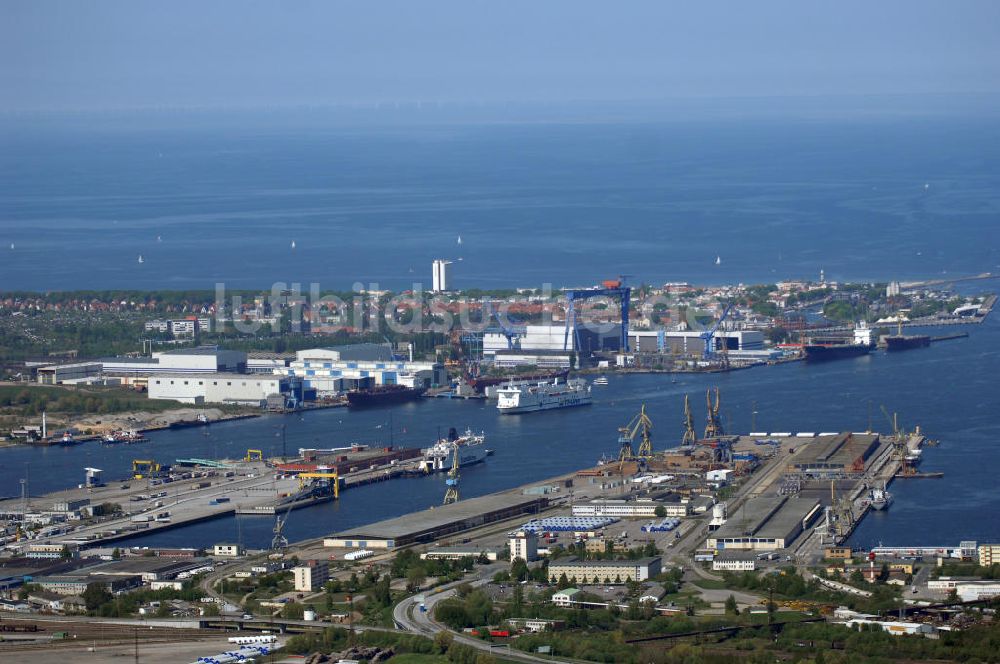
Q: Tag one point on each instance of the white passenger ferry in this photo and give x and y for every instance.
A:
(543, 396)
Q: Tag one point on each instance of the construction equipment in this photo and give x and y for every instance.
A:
(615, 288)
(279, 542)
(321, 475)
(690, 435)
(254, 455)
(451, 493)
(709, 335)
(640, 425)
(713, 423)
(144, 468)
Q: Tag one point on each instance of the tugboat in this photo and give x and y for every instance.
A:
(68, 439)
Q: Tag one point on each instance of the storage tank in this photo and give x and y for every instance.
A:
(309, 615)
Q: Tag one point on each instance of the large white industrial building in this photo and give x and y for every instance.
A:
(60, 374)
(553, 338)
(203, 359)
(689, 342)
(331, 370)
(243, 389)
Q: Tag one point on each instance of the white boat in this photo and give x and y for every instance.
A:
(471, 449)
(718, 260)
(601, 380)
(880, 498)
(122, 436)
(542, 396)
(141, 261)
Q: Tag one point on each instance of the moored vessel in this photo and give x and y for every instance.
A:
(824, 351)
(471, 449)
(894, 342)
(880, 499)
(543, 396)
(384, 394)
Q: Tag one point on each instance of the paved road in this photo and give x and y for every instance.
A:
(407, 616)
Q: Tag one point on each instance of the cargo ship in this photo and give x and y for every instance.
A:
(822, 352)
(906, 341)
(471, 449)
(543, 396)
(880, 499)
(384, 394)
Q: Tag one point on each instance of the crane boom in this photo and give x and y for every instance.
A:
(710, 334)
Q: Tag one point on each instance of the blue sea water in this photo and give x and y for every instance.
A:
(563, 203)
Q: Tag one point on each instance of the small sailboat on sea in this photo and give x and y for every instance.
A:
(141, 259)
(718, 260)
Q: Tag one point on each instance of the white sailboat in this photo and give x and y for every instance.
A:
(718, 260)
(460, 239)
(293, 244)
(141, 260)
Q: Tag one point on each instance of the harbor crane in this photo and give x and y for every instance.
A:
(899, 448)
(642, 426)
(322, 475)
(451, 493)
(512, 334)
(614, 288)
(690, 435)
(709, 335)
(280, 542)
(713, 423)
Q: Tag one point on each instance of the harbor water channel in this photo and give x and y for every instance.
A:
(949, 390)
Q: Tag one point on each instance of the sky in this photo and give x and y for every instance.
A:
(120, 54)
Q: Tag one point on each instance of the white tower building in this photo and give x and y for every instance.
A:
(440, 275)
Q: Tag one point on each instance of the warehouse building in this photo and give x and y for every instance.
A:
(629, 509)
(766, 523)
(604, 571)
(432, 524)
(840, 453)
(359, 366)
(59, 374)
(203, 359)
(689, 342)
(242, 389)
(543, 359)
(552, 338)
(263, 362)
